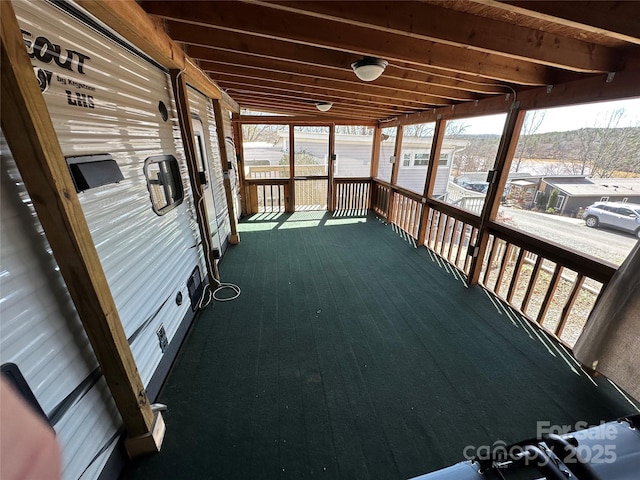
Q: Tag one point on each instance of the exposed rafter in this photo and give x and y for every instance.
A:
(283, 56)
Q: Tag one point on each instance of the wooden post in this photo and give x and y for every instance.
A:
(237, 134)
(432, 172)
(375, 159)
(188, 142)
(394, 172)
(290, 196)
(224, 158)
(32, 139)
(331, 201)
(506, 149)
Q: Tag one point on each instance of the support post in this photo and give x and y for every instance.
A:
(290, 198)
(506, 149)
(186, 129)
(237, 135)
(331, 201)
(432, 172)
(224, 158)
(32, 139)
(394, 172)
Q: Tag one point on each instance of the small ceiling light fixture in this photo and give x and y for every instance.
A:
(369, 68)
(324, 106)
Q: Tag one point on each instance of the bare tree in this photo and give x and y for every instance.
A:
(532, 122)
(261, 133)
(605, 147)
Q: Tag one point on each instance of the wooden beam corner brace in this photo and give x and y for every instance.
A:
(147, 443)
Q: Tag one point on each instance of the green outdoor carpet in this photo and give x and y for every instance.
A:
(353, 355)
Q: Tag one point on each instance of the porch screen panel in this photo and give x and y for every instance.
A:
(265, 151)
(353, 147)
(387, 148)
(468, 153)
(414, 156)
(568, 159)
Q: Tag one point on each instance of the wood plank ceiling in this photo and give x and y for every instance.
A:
(285, 56)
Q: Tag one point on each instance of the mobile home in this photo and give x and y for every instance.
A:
(115, 117)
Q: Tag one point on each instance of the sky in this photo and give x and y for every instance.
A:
(563, 118)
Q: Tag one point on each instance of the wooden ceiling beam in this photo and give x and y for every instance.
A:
(299, 120)
(266, 22)
(596, 88)
(307, 107)
(347, 86)
(239, 82)
(320, 117)
(203, 43)
(617, 20)
(439, 24)
(225, 60)
(275, 95)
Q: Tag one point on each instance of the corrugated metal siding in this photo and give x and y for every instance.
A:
(231, 155)
(147, 258)
(199, 104)
(220, 198)
(42, 334)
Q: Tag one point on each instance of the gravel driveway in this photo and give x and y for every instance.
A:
(610, 245)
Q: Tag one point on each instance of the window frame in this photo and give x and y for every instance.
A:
(173, 169)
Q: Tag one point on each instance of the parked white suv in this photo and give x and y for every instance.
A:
(622, 216)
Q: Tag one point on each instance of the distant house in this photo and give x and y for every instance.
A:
(353, 158)
(576, 192)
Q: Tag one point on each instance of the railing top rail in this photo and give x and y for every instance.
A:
(353, 180)
(455, 212)
(407, 193)
(310, 177)
(592, 267)
(267, 181)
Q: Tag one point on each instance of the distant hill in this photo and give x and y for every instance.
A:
(600, 151)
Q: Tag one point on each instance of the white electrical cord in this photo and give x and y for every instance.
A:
(207, 293)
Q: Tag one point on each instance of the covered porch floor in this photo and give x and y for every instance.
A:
(351, 354)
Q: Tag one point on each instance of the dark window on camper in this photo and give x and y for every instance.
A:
(202, 161)
(91, 171)
(164, 183)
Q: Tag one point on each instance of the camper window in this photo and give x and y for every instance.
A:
(164, 183)
(200, 153)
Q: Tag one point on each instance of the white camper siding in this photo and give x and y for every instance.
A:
(231, 155)
(219, 195)
(43, 336)
(199, 104)
(147, 258)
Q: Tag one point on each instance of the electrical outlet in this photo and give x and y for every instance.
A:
(162, 338)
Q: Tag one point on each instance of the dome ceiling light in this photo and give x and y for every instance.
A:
(324, 106)
(369, 68)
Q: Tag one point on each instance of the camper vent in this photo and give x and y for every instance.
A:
(91, 171)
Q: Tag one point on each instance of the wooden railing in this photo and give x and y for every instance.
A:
(450, 232)
(547, 283)
(551, 285)
(267, 195)
(352, 194)
(406, 210)
(380, 195)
